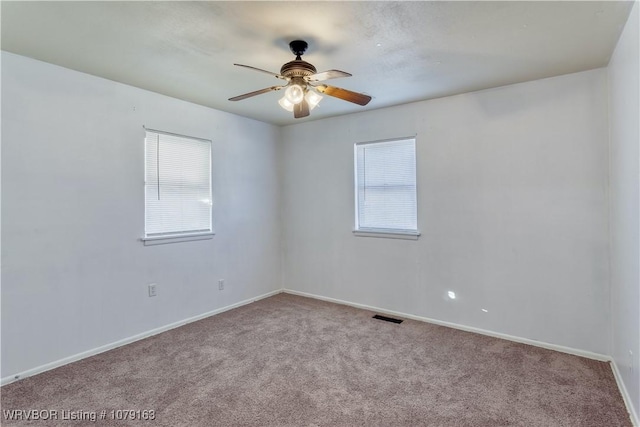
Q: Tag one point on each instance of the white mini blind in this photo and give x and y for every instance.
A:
(385, 184)
(177, 185)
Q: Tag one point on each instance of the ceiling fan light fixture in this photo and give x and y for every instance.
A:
(284, 103)
(294, 94)
(302, 93)
(312, 99)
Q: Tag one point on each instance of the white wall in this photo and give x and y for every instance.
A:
(624, 111)
(74, 274)
(512, 189)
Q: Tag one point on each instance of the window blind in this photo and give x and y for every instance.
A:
(386, 186)
(177, 185)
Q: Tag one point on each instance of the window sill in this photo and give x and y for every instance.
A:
(405, 235)
(177, 238)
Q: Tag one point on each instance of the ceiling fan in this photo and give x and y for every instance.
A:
(303, 88)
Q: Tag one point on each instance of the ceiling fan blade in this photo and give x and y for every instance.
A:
(257, 92)
(301, 109)
(326, 75)
(263, 71)
(344, 94)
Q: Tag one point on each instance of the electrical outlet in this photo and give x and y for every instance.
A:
(152, 290)
(221, 284)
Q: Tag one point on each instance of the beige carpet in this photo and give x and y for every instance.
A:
(293, 361)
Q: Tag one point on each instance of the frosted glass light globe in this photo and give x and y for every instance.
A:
(294, 94)
(284, 103)
(312, 99)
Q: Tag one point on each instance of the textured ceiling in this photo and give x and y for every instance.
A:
(398, 52)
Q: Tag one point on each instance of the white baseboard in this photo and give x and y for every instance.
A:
(563, 349)
(625, 394)
(102, 349)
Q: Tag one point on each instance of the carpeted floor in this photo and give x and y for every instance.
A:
(293, 361)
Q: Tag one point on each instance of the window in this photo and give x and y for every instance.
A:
(385, 188)
(177, 187)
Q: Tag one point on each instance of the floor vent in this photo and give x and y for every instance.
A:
(387, 319)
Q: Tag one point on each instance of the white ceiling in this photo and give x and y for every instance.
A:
(398, 52)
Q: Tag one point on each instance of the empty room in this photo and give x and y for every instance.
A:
(320, 213)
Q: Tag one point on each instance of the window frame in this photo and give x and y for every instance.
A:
(390, 233)
(178, 237)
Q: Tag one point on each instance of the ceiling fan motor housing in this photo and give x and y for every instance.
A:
(297, 68)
